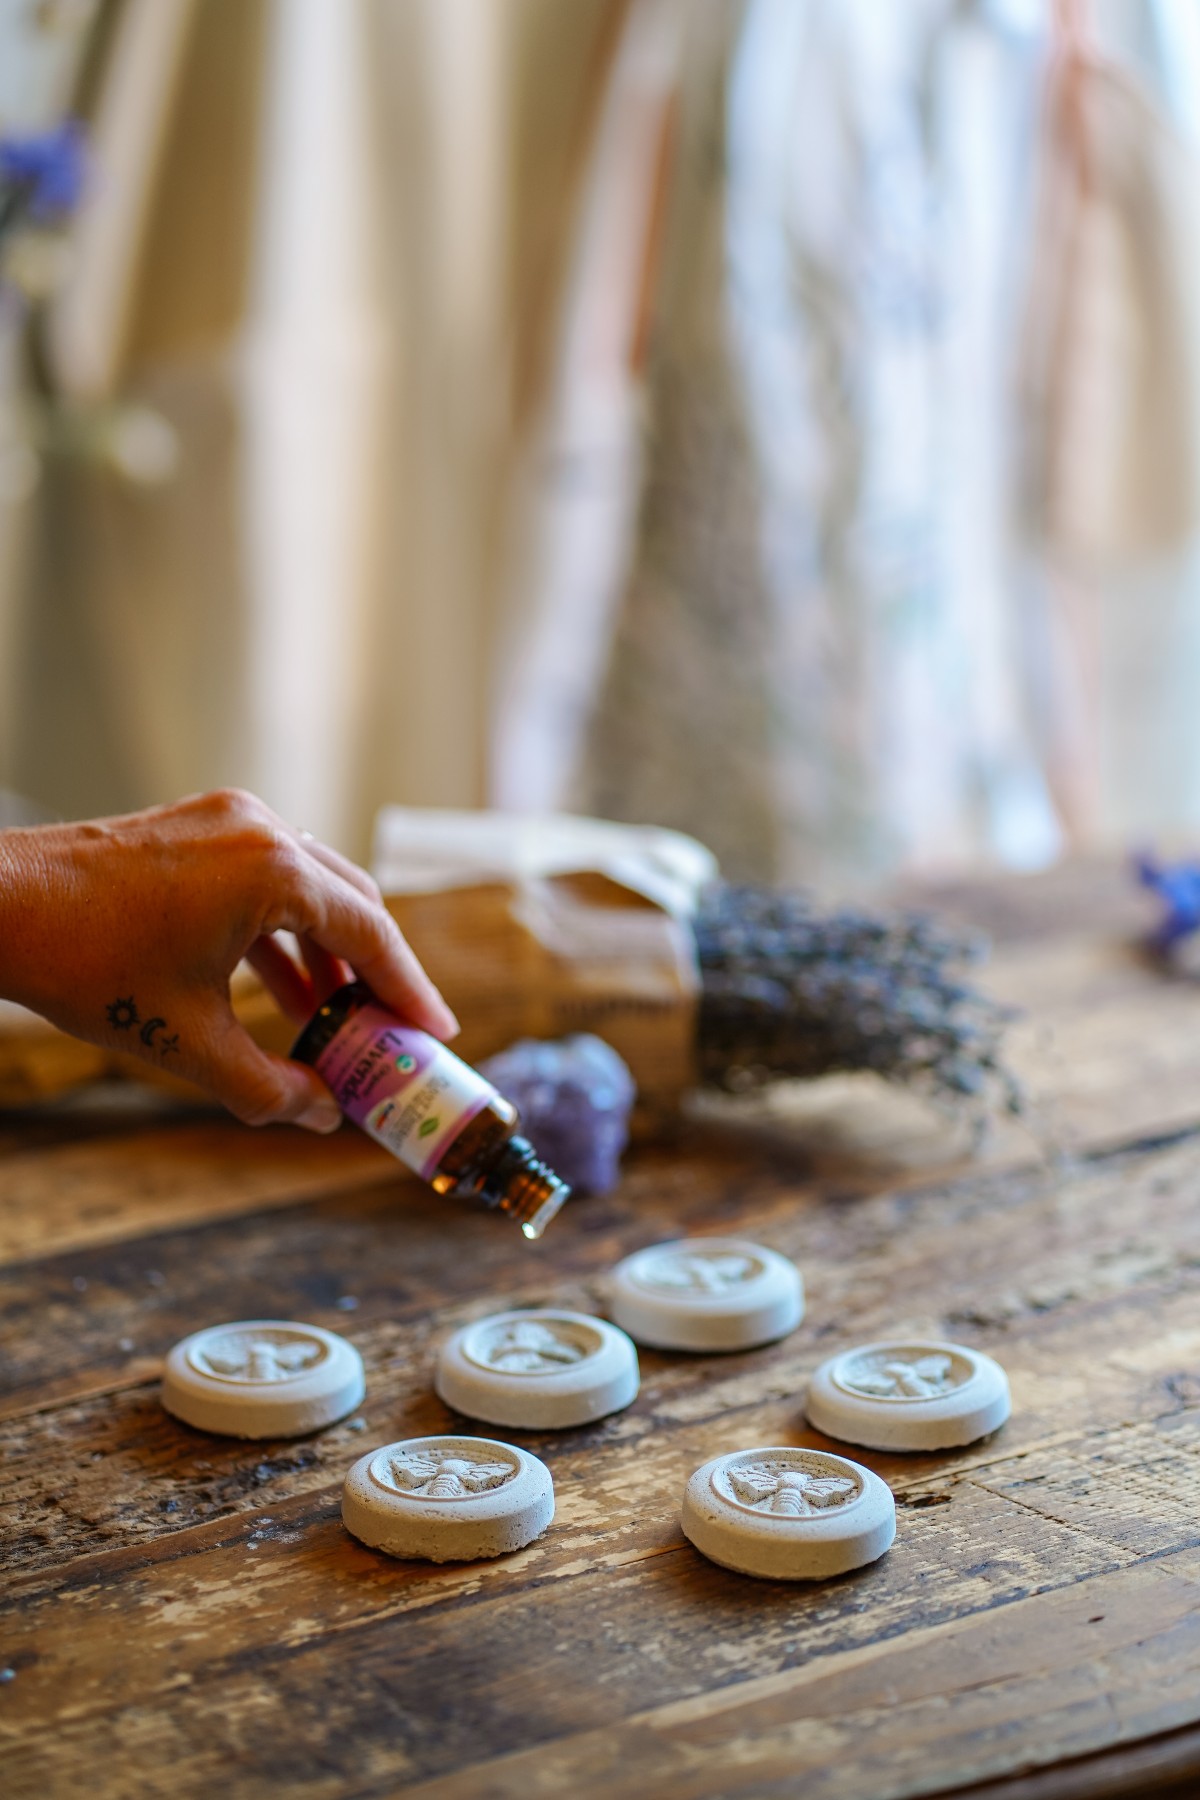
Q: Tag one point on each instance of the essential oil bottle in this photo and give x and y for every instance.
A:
(428, 1107)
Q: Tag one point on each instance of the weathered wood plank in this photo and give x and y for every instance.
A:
(101, 1112)
(108, 1464)
(557, 1664)
(1106, 1049)
(393, 1247)
(618, 1498)
(102, 1191)
(985, 1254)
(1089, 896)
(587, 1644)
(62, 1317)
(1119, 1353)
(1163, 1767)
(1094, 1319)
(308, 1579)
(94, 1477)
(1136, 1486)
(1020, 1687)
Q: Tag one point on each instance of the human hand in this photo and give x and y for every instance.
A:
(125, 932)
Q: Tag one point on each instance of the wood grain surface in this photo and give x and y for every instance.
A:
(184, 1615)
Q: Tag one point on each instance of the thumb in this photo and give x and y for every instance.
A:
(261, 1089)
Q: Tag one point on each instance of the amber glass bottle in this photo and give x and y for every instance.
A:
(428, 1107)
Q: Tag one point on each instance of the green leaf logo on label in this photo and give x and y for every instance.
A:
(427, 1127)
(406, 1063)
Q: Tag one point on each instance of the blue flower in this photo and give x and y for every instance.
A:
(42, 173)
(1178, 886)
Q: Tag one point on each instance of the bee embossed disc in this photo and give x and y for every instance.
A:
(448, 1499)
(706, 1294)
(262, 1378)
(538, 1370)
(788, 1514)
(908, 1395)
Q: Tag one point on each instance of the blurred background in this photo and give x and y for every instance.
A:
(778, 419)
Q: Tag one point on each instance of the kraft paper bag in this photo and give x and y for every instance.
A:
(539, 927)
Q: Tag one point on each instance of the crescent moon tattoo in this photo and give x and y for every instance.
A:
(149, 1028)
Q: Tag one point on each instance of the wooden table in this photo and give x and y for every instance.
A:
(185, 1616)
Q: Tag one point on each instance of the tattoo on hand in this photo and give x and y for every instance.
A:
(123, 1015)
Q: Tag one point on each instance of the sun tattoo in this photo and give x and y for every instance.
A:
(123, 1015)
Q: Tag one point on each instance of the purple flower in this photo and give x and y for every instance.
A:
(42, 173)
(1178, 887)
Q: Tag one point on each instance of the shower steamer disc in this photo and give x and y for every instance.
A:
(448, 1499)
(908, 1394)
(262, 1378)
(538, 1370)
(788, 1514)
(706, 1294)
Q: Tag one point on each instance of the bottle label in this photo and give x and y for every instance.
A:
(402, 1086)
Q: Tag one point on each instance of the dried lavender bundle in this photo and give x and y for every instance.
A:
(789, 991)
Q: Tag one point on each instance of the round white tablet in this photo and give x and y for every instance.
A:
(706, 1294)
(262, 1378)
(448, 1499)
(538, 1371)
(788, 1514)
(908, 1395)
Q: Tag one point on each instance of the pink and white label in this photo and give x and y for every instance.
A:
(406, 1090)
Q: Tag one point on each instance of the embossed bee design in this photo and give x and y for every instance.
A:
(891, 1377)
(445, 1475)
(702, 1273)
(528, 1346)
(778, 1487)
(242, 1358)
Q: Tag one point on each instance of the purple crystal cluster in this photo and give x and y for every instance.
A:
(574, 1096)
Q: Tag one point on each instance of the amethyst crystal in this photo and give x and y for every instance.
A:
(574, 1096)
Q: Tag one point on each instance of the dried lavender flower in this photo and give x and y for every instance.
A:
(789, 991)
(1178, 888)
(41, 174)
